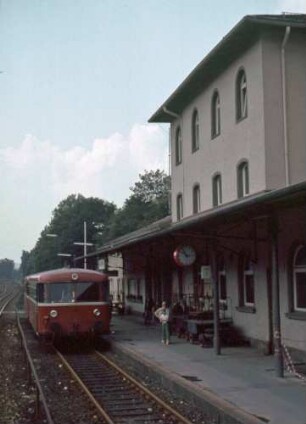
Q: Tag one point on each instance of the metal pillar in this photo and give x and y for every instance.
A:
(279, 365)
(214, 271)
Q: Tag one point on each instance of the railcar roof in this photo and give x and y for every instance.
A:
(67, 274)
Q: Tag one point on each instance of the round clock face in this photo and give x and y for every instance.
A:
(184, 255)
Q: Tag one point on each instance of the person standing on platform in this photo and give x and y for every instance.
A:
(163, 314)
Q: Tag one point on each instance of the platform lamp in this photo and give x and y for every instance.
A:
(52, 235)
(65, 255)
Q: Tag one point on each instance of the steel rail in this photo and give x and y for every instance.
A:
(133, 381)
(145, 390)
(83, 386)
(3, 288)
(39, 391)
(9, 297)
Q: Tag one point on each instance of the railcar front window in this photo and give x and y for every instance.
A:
(87, 292)
(70, 292)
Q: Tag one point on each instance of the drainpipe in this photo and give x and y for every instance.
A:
(169, 172)
(285, 40)
(176, 116)
(170, 113)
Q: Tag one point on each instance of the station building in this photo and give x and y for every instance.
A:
(235, 239)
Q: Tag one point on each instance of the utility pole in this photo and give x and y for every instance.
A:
(84, 244)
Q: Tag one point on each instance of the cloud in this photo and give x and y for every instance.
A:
(105, 169)
(36, 175)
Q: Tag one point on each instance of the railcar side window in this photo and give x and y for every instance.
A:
(31, 290)
(40, 292)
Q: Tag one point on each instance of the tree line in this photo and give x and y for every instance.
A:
(7, 270)
(148, 202)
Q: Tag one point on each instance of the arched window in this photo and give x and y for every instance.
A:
(243, 188)
(215, 115)
(299, 279)
(217, 190)
(195, 131)
(179, 206)
(178, 146)
(196, 195)
(241, 96)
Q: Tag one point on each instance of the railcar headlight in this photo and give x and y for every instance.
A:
(96, 312)
(53, 313)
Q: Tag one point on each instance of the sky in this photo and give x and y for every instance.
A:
(79, 80)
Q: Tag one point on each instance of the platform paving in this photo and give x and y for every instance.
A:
(240, 378)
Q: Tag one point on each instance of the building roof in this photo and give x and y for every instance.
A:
(241, 37)
(265, 202)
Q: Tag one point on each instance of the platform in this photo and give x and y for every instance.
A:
(241, 381)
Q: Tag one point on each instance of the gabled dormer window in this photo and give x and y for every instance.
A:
(195, 131)
(241, 96)
(178, 146)
(215, 115)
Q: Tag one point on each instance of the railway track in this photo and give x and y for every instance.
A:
(7, 295)
(41, 406)
(119, 398)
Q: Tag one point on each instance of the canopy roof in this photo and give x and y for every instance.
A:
(264, 203)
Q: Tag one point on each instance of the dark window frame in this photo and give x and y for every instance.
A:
(298, 269)
(179, 207)
(178, 146)
(245, 269)
(196, 198)
(195, 131)
(217, 190)
(241, 95)
(243, 179)
(215, 115)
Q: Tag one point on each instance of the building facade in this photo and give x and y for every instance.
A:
(237, 131)
(238, 171)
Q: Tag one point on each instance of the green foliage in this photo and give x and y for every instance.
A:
(7, 269)
(65, 228)
(148, 203)
(26, 265)
(153, 186)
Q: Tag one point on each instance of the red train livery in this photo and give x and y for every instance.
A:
(68, 302)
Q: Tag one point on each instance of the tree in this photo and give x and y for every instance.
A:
(67, 227)
(153, 185)
(25, 266)
(148, 202)
(7, 269)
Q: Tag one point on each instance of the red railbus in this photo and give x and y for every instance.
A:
(68, 302)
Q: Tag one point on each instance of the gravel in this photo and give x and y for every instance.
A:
(67, 403)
